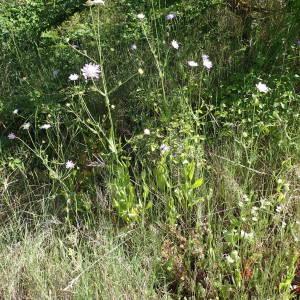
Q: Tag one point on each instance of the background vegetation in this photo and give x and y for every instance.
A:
(166, 177)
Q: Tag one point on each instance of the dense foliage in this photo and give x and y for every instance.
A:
(172, 121)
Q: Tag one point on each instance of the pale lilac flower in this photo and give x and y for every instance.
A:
(73, 77)
(45, 126)
(26, 126)
(175, 44)
(192, 63)
(262, 87)
(141, 16)
(70, 164)
(298, 42)
(91, 71)
(133, 47)
(15, 112)
(11, 136)
(170, 16)
(164, 148)
(146, 131)
(206, 62)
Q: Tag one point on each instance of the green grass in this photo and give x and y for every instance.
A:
(50, 261)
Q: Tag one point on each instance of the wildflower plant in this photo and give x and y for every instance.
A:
(172, 125)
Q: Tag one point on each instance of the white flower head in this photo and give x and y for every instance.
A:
(175, 44)
(73, 77)
(140, 71)
(141, 16)
(11, 136)
(246, 235)
(279, 208)
(170, 16)
(26, 126)
(164, 148)
(15, 111)
(70, 164)
(229, 259)
(262, 87)
(146, 131)
(206, 62)
(95, 2)
(45, 126)
(133, 47)
(192, 63)
(91, 71)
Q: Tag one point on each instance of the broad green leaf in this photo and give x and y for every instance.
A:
(197, 183)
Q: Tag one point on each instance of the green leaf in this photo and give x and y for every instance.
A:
(197, 183)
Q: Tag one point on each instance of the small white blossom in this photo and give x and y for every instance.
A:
(279, 208)
(95, 2)
(11, 136)
(141, 71)
(15, 112)
(133, 47)
(113, 106)
(70, 164)
(175, 44)
(45, 126)
(192, 63)
(245, 198)
(91, 71)
(141, 16)
(164, 148)
(206, 62)
(73, 77)
(229, 259)
(247, 235)
(262, 87)
(146, 131)
(26, 126)
(254, 210)
(170, 16)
